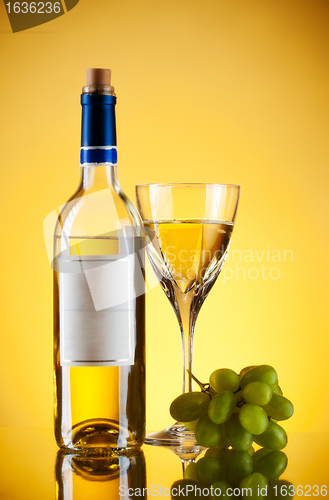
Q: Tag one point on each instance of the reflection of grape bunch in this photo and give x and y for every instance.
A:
(227, 416)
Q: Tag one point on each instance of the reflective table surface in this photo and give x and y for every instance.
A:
(31, 467)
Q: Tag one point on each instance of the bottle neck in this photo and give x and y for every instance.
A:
(95, 178)
(98, 159)
(98, 131)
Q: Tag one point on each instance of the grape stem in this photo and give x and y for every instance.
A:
(203, 387)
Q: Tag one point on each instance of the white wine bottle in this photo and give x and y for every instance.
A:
(99, 302)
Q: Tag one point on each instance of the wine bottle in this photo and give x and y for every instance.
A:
(99, 303)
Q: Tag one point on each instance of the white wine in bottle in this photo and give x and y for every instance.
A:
(99, 303)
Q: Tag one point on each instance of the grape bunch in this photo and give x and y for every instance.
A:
(229, 415)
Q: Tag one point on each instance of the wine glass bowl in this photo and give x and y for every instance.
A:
(188, 229)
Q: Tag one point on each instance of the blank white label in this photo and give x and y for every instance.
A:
(97, 311)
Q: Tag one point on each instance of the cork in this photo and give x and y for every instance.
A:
(98, 76)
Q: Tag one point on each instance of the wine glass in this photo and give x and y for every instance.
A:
(188, 230)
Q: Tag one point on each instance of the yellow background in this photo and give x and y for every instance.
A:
(215, 91)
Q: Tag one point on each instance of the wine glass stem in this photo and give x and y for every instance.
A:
(187, 330)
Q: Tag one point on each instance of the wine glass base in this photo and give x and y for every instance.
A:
(176, 437)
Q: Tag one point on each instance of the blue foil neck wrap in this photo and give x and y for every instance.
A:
(98, 155)
(98, 130)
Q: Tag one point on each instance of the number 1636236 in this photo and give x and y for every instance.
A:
(33, 7)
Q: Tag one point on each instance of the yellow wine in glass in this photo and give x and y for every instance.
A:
(190, 250)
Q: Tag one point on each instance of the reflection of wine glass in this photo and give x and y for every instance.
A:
(188, 229)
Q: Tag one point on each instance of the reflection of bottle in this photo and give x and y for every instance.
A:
(80, 477)
(99, 324)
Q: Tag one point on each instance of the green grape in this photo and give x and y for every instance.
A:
(254, 486)
(257, 393)
(259, 454)
(245, 370)
(253, 418)
(190, 472)
(279, 407)
(220, 489)
(207, 433)
(272, 465)
(261, 373)
(208, 470)
(239, 438)
(222, 454)
(221, 407)
(223, 442)
(191, 426)
(224, 379)
(274, 437)
(239, 466)
(251, 451)
(189, 406)
(277, 390)
(281, 489)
